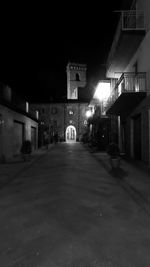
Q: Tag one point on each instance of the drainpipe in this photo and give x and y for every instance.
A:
(119, 134)
(131, 138)
(149, 133)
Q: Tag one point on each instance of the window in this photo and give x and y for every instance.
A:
(37, 114)
(54, 110)
(75, 93)
(55, 122)
(27, 107)
(77, 77)
(85, 122)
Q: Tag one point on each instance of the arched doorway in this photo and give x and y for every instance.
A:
(71, 134)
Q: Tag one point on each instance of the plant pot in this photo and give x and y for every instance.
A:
(115, 162)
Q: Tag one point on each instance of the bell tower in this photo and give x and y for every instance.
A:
(76, 77)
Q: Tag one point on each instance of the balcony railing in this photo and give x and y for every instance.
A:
(132, 20)
(128, 83)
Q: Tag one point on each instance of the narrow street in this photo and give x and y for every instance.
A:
(66, 210)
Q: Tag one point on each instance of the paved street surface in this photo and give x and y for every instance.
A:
(68, 209)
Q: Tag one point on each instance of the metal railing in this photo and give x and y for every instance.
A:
(129, 82)
(132, 20)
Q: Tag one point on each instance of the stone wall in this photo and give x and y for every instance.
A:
(58, 116)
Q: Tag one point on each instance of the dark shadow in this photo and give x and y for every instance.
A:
(14, 162)
(115, 172)
(118, 173)
(77, 77)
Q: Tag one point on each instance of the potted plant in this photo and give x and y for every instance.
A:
(114, 155)
(26, 149)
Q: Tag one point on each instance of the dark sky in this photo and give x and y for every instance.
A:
(37, 41)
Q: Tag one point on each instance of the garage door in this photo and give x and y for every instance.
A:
(33, 137)
(18, 137)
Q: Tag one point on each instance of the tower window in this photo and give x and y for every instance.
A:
(77, 77)
(54, 110)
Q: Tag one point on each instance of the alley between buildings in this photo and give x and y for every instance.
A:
(68, 210)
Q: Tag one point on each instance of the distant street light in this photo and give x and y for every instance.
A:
(88, 113)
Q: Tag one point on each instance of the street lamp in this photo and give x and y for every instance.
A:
(102, 91)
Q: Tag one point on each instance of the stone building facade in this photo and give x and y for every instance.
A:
(66, 118)
(76, 77)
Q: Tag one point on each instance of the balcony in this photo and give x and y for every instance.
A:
(128, 92)
(128, 36)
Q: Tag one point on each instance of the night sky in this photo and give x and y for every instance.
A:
(37, 42)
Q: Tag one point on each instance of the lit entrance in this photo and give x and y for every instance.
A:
(71, 134)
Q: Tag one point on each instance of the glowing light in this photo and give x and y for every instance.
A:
(102, 91)
(88, 113)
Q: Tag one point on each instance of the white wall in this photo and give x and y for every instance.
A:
(142, 55)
